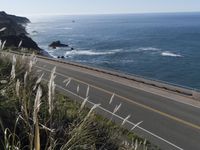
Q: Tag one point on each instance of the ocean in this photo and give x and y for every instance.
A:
(163, 46)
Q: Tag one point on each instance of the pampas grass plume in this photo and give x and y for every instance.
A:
(111, 99)
(92, 109)
(87, 92)
(51, 89)
(124, 121)
(3, 29)
(68, 82)
(78, 89)
(25, 78)
(83, 103)
(20, 43)
(136, 125)
(38, 81)
(117, 108)
(37, 104)
(3, 44)
(17, 87)
(12, 74)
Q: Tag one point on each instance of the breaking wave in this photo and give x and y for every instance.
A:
(147, 49)
(91, 52)
(170, 54)
(158, 51)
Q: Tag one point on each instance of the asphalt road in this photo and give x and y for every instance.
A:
(167, 121)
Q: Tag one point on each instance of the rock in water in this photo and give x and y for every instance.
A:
(56, 44)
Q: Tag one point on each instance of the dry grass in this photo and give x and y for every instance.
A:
(35, 116)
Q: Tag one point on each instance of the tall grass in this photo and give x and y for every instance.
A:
(35, 116)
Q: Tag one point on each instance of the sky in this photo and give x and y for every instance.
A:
(49, 7)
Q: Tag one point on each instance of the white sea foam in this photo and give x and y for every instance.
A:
(170, 54)
(51, 54)
(91, 52)
(157, 50)
(147, 49)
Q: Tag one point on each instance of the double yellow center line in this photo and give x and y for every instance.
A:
(133, 102)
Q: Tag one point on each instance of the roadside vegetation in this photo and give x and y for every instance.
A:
(33, 115)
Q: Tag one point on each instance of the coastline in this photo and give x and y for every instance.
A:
(133, 49)
(164, 92)
(15, 35)
(92, 50)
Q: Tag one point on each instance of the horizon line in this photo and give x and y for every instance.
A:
(85, 14)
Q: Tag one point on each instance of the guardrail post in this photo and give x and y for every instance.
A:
(196, 95)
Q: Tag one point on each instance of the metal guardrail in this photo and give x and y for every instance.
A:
(148, 81)
(151, 79)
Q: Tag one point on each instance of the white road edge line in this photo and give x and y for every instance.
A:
(162, 139)
(133, 124)
(126, 85)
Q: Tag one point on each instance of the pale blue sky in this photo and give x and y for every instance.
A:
(29, 7)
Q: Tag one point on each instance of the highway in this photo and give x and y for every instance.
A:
(171, 119)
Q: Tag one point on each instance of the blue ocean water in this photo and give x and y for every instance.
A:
(160, 46)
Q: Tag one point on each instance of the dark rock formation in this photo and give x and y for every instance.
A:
(15, 32)
(14, 40)
(15, 25)
(56, 44)
(63, 57)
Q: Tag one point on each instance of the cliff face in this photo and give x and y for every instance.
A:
(15, 31)
(14, 18)
(14, 24)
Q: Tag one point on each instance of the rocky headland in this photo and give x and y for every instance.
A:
(15, 33)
